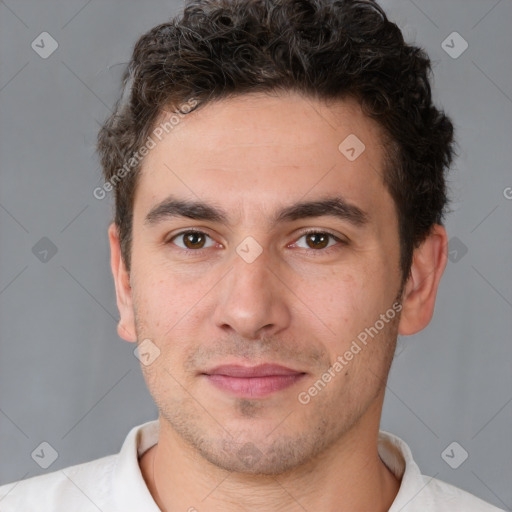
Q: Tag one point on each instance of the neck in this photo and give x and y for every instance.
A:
(348, 476)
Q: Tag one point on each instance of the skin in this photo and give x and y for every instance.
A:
(296, 304)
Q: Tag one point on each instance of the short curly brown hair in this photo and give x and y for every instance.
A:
(324, 49)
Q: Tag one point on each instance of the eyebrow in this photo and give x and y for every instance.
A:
(335, 206)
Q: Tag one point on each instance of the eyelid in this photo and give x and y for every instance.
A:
(338, 237)
(194, 229)
(169, 240)
(340, 241)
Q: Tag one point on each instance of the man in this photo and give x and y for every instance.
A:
(278, 169)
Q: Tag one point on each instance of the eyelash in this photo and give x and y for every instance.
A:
(328, 250)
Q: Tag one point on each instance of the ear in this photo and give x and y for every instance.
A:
(126, 326)
(418, 300)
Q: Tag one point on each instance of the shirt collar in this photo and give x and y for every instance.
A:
(128, 486)
(397, 456)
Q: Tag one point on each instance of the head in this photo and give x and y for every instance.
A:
(237, 121)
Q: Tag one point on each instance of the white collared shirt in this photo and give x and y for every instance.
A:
(115, 483)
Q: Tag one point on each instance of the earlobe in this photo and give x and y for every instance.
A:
(124, 333)
(429, 262)
(126, 326)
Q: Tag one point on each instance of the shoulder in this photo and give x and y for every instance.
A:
(79, 488)
(421, 493)
(445, 497)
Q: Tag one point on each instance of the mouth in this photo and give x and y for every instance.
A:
(252, 381)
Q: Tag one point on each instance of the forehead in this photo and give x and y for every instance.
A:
(253, 152)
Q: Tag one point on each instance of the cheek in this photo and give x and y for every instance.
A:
(347, 301)
(340, 295)
(162, 301)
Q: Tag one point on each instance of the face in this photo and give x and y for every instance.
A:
(249, 299)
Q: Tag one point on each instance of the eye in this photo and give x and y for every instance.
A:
(315, 240)
(319, 240)
(192, 240)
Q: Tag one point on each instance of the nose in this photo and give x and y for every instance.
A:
(252, 300)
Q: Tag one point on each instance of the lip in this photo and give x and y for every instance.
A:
(261, 370)
(252, 381)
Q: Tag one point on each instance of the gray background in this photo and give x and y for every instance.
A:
(65, 376)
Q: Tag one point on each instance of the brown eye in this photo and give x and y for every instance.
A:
(192, 240)
(317, 240)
